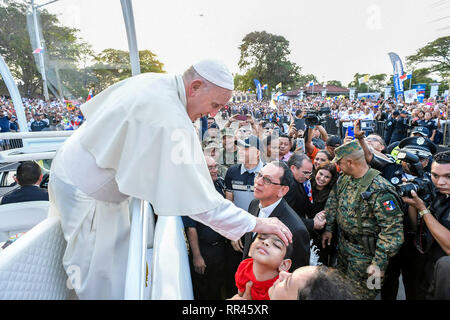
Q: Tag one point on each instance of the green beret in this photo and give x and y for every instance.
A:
(227, 132)
(346, 150)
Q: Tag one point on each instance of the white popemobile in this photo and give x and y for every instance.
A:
(31, 266)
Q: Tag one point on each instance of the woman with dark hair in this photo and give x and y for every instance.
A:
(322, 181)
(322, 157)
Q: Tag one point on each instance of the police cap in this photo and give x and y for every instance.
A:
(420, 146)
(422, 130)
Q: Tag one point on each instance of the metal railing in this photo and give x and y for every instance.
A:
(22, 146)
(135, 281)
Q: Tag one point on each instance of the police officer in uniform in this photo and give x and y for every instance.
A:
(390, 126)
(408, 261)
(207, 250)
(364, 209)
(400, 127)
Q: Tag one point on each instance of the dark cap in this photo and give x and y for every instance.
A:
(422, 130)
(334, 141)
(251, 141)
(420, 146)
(396, 113)
(404, 112)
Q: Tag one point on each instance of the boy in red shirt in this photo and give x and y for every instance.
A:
(269, 255)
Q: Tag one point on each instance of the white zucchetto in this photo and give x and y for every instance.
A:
(216, 72)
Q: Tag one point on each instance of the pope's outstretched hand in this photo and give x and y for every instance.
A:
(275, 226)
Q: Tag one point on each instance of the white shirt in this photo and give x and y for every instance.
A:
(367, 116)
(348, 118)
(267, 211)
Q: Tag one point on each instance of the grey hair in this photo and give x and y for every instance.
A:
(297, 159)
(190, 75)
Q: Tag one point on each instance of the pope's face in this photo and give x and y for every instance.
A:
(205, 99)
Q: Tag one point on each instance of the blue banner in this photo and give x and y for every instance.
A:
(258, 89)
(398, 71)
(420, 89)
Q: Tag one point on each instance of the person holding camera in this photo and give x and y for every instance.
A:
(414, 153)
(432, 223)
(347, 120)
(311, 149)
(5, 117)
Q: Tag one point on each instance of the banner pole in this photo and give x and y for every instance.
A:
(446, 118)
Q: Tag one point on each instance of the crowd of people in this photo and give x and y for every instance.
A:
(41, 115)
(346, 189)
(361, 207)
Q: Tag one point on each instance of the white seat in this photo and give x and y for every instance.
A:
(31, 267)
(21, 217)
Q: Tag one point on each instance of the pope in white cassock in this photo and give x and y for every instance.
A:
(138, 141)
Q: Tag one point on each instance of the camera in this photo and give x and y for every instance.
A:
(420, 184)
(316, 117)
(423, 188)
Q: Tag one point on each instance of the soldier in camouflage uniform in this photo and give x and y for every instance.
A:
(363, 209)
(229, 153)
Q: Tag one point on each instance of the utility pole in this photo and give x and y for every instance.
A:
(40, 54)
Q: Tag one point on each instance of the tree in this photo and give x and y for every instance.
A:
(15, 45)
(360, 87)
(335, 83)
(244, 81)
(62, 49)
(114, 65)
(422, 75)
(435, 55)
(377, 82)
(265, 56)
(304, 79)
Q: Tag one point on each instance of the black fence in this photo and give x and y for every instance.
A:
(8, 144)
(334, 127)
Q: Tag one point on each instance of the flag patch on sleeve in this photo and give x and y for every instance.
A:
(389, 205)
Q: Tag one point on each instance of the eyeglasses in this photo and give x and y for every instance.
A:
(266, 180)
(373, 139)
(307, 173)
(212, 167)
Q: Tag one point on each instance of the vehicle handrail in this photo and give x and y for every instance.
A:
(136, 265)
(28, 157)
(36, 134)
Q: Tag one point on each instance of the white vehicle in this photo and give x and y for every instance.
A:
(31, 266)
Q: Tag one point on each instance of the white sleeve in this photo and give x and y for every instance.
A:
(228, 220)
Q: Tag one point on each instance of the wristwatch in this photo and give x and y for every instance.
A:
(423, 212)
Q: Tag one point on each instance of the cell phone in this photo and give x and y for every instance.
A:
(300, 124)
(300, 145)
(241, 117)
(351, 132)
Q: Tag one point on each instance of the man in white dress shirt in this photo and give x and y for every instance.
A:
(271, 185)
(138, 141)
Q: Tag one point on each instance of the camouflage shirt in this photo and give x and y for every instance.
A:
(381, 215)
(225, 161)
